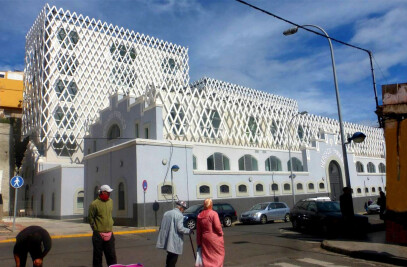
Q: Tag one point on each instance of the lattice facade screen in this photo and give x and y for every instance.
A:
(73, 63)
(217, 112)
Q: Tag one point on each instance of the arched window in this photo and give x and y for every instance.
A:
(114, 132)
(297, 165)
(321, 186)
(242, 188)
(371, 168)
(218, 162)
(273, 164)
(96, 192)
(373, 190)
(122, 196)
(310, 186)
(382, 168)
(300, 187)
(204, 189)
(80, 199)
(287, 187)
(53, 202)
(359, 167)
(259, 188)
(366, 190)
(359, 191)
(380, 188)
(274, 187)
(194, 164)
(248, 163)
(166, 189)
(224, 189)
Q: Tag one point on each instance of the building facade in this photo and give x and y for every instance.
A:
(230, 142)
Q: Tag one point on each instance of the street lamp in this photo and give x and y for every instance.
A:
(292, 176)
(357, 137)
(338, 102)
(174, 168)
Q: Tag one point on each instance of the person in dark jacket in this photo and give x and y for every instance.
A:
(101, 221)
(381, 201)
(35, 240)
(346, 203)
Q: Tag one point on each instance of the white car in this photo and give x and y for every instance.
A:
(373, 208)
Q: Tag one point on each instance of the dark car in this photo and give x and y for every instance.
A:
(227, 214)
(324, 215)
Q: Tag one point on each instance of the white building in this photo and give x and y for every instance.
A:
(229, 141)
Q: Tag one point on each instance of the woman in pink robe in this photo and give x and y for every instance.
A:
(209, 236)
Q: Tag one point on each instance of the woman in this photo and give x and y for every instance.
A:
(210, 236)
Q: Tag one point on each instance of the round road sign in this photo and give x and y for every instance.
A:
(145, 185)
(17, 181)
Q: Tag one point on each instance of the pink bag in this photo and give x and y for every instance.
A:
(106, 236)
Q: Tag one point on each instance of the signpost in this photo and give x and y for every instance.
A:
(144, 205)
(16, 182)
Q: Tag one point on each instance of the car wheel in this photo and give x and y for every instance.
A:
(191, 224)
(227, 221)
(287, 218)
(263, 219)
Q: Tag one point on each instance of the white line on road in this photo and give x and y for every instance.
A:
(318, 262)
(284, 264)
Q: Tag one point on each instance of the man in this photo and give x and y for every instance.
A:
(33, 239)
(101, 222)
(381, 201)
(172, 230)
(346, 204)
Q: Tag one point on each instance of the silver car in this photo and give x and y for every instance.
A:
(373, 208)
(267, 211)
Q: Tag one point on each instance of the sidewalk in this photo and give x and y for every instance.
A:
(374, 247)
(59, 228)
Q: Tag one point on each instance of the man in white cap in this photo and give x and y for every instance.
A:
(101, 221)
(172, 231)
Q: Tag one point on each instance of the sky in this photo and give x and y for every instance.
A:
(232, 42)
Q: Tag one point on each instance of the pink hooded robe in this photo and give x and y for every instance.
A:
(209, 236)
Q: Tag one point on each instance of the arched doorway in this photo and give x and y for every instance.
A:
(335, 180)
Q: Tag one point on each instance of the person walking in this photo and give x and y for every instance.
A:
(381, 201)
(346, 205)
(172, 231)
(209, 236)
(101, 221)
(35, 240)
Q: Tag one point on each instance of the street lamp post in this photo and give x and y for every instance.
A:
(338, 101)
(292, 176)
(174, 168)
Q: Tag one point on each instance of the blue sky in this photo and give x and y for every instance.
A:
(234, 43)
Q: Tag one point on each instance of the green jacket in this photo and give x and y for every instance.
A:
(100, 215)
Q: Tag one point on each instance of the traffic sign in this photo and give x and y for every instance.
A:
(17, 181)
(144, 185)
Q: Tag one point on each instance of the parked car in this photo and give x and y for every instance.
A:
(324, 215)
(373, 208)
(227, 214)
(267, 211)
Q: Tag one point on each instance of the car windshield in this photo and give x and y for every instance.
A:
(328, 206)
(260, 206)
(193, 208)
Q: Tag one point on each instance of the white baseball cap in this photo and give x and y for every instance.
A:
(106, 188)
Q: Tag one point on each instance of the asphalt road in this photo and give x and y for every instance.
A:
(273, 244)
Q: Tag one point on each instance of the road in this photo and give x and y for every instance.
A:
(273, 244)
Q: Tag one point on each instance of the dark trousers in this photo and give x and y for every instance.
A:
(100, 247)
(171, 259)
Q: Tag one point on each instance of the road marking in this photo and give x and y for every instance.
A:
(318, 262)
(89, 234)
(284, 264)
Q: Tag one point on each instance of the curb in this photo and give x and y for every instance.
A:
(366, 254)
(89, 234)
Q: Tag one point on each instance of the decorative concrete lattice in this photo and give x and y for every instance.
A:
(73, 63)
(212, 111)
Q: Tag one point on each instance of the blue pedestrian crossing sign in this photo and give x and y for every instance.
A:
(17, 181)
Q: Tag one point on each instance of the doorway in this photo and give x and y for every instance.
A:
(335, 180)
